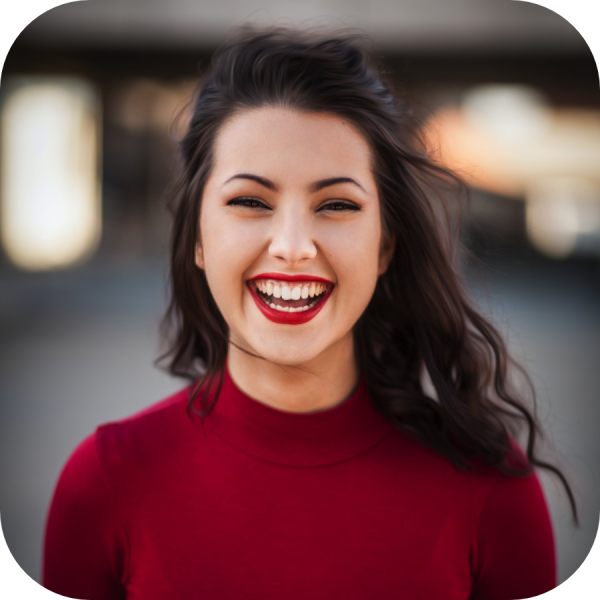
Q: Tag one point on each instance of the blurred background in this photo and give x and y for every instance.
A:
(508, 96)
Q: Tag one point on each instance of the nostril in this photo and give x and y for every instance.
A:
(292, 255)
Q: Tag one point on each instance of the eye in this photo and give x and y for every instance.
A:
(339, 205)
(248, 202)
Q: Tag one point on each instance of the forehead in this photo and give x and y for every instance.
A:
(285, 140)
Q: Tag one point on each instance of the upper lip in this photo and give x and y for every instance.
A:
(288, 277)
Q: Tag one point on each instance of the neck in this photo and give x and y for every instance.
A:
(323, 382)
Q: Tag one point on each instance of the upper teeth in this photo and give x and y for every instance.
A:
(280, 289)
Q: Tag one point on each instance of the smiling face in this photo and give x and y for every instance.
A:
(290, 233)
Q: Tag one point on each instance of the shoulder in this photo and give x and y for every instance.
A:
(515, 500)
(505, 519)
(81, 475)
(117, 448)
(145, 436)
(116, 443)
(515, 504)
(482, 495)
(514, 535)
(468, 485)
(166, 408)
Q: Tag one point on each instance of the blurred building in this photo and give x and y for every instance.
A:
(141, 59)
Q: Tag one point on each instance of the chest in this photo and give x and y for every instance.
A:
(251, 531)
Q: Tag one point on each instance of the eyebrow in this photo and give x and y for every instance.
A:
(323, 183)
(315, 187)
(262, 180)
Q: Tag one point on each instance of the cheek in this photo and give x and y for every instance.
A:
(229, 250)
(356, 246)
(355, 256)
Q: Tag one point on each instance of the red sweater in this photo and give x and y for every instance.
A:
(261, 503)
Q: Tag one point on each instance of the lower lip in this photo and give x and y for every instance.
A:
(287, 318)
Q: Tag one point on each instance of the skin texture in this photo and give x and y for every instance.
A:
(292, 229)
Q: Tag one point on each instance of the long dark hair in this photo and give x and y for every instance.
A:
(419, 319)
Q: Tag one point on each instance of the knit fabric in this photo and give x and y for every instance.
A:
(258, 503)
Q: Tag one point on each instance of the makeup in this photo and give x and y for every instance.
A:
(289, 299)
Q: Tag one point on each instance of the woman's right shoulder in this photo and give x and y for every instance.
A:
(153, 429)
(99, 489)
(122, 443)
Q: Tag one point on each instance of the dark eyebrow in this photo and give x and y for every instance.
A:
(315, 187)
(323, 183)
(266, 182)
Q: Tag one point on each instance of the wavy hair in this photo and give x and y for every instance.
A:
(419, 320)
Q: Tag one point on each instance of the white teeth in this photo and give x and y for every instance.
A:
(291, 308)
(285, 292)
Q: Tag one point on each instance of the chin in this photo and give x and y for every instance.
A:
(284, 350)
(290, 357)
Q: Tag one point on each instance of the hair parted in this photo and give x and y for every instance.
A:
(419, 318)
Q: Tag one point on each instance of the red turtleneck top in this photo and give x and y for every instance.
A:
(258, 503)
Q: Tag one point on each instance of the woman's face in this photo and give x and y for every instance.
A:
(290, 232)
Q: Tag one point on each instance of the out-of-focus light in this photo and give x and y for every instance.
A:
(561, 213)
(512, 113)
(50, 188)
(502, 138)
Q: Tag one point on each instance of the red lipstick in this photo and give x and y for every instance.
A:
(287, 318)
(285, 277)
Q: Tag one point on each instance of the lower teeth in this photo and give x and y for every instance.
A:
(291, 308)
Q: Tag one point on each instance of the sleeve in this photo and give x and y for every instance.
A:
(513, 553)
(85, 542)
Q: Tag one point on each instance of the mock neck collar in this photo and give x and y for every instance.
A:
(297, 439)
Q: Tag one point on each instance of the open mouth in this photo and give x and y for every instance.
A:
(290, 301)
(286, 296)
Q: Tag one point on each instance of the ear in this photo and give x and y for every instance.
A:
(199, 256)
(388, 245)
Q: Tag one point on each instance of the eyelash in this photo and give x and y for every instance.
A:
(246, 201)
(250, 202)
(339, 203)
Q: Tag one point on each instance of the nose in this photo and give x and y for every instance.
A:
(292, 237)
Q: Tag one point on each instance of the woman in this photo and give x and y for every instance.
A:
(348, 432)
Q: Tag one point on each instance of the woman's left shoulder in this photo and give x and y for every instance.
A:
(481, 489)
(510, 495)
(514, 501)
(516, 487)
(513, 534)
